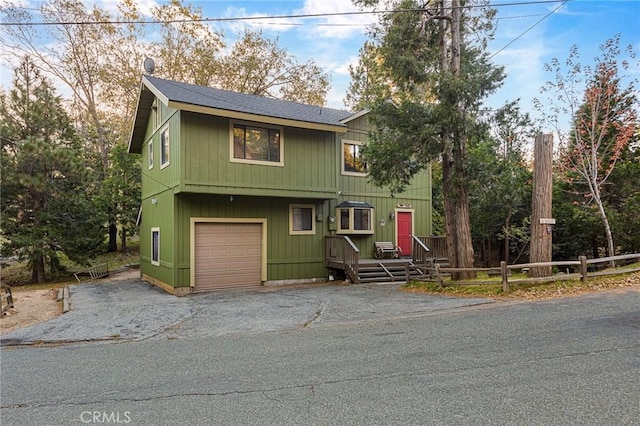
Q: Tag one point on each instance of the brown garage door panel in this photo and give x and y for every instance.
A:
(227, 255)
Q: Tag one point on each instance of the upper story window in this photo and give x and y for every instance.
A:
(355, 217)
(254, 144)
(155, 119)
(352, 160)
(164, 147)
(301, 219)
(150, 153)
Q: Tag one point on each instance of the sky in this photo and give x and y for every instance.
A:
(529, 34)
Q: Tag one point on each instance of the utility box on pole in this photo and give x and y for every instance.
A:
(541, 221)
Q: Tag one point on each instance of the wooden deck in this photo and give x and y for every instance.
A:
(343, 255)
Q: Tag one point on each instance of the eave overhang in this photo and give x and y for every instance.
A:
(148, 92)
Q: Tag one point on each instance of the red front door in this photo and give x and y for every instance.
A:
(404, 231)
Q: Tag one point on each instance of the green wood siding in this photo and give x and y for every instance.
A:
(157, 195)
(288, 256)
(358, 188)
(207, 168)
(200, 179)
(158, 212)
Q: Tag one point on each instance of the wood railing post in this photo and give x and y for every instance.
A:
(439, 275)
(406, 271)
(583, 268)
(505, 276)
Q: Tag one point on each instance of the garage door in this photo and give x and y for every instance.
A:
(227, 255)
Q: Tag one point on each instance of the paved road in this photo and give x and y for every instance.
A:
(563, 362)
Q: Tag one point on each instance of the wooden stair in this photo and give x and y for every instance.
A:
(389, 272)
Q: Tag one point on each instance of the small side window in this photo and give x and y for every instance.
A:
(164, 148)
(155, 246)
(150, 153)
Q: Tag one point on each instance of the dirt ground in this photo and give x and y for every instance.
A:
(30, 307)
(35, 306)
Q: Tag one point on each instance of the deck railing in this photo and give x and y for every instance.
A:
(437, 246)
(340, 250)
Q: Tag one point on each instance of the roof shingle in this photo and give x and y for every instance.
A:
(250, 104)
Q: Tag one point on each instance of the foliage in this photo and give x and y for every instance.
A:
(604, 122)
(257, 66)
(44, 209)
(500, 182)
(622, 197)
(15, 272)
(423, 79)
(100, 65)
(119, 193)
(187, 48)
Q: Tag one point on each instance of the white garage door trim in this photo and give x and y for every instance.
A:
(261, 221)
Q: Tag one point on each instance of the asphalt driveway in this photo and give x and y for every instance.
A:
(132, 309)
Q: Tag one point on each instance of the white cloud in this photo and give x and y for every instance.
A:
(330, 25)
(258, 21)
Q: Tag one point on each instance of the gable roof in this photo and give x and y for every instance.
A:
(207, 100)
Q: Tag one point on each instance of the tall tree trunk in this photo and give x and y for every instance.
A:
(123, 241)
(507, 232)
(113, 237)
(541, 237)
(457, 220)
(611, 251)
(37, 272)
(456, 195)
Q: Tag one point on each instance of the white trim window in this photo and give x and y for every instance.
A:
(155, 246)
(353, 163)
(150, 154)
(302, 219)
(355, 217)
(155, 118)
(255, 144)
(165, 148)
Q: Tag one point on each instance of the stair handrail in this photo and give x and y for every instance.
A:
(340, 249)
(420, 252)
(351, 255)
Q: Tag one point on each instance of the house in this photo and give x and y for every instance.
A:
(241, 190)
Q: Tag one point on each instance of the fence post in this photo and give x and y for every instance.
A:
(504, 275)
(439, 275)
(583, 268)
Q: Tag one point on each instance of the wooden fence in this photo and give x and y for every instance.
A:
(7, 297)
(582, 265)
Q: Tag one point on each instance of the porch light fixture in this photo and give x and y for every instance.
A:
(392, 215)
(382, 222)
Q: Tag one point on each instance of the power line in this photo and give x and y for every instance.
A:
(530, 28)
(254, 18)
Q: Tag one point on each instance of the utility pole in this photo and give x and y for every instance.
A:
(541, 221)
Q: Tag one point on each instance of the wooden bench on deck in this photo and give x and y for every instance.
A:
(386, 248)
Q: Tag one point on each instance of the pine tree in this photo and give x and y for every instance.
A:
(45, 210)
(423, 81)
